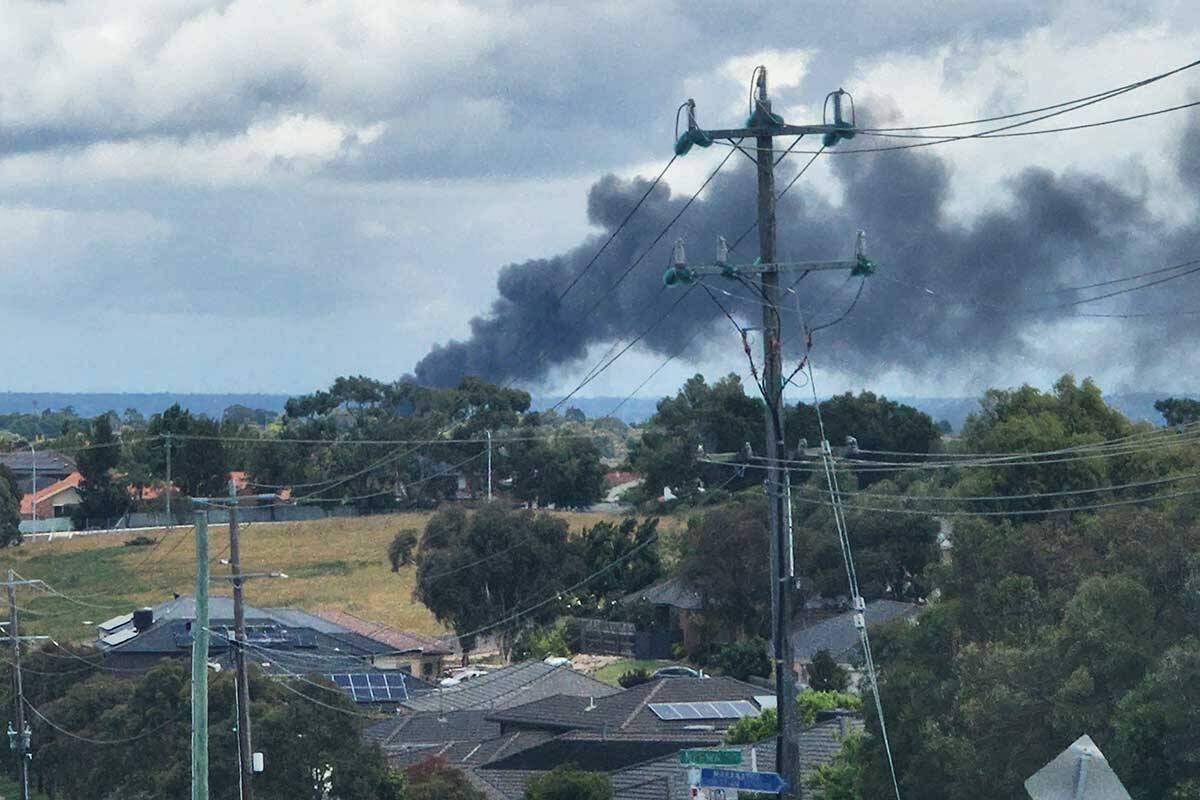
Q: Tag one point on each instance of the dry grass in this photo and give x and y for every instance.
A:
(340, 563)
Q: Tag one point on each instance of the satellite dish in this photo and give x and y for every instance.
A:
(1081, 772)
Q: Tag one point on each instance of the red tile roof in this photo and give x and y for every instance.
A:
(72, 481)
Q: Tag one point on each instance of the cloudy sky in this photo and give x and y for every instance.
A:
(260, 195)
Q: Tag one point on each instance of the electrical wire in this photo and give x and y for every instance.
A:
(90, 740)
(1040, 110)
(617, 230)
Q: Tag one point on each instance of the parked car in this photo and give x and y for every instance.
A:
(677, 671)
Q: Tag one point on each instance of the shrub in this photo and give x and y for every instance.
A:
(633, 677)
(400, 551)
(826, 675)
(565, 783)
(742, 659)
(540, 643)
(140, 541)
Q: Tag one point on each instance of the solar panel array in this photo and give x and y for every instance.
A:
(718, 709)
(372, 687)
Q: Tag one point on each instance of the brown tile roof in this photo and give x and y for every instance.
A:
(72, 481)
(403, 641)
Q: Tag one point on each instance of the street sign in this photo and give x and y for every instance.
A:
(738, 779)
(719, 758)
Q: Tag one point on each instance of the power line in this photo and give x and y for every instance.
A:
(1032, 111)
(90, 740)
(618, 229)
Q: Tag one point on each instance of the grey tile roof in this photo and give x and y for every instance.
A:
(467, 753)
(510, 686)
(628, 712)
(48, 463)
(430, 727)
(663, 778)
(671, 592)
(838, 634)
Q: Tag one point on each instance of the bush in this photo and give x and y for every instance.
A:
(540, 643)
(812, 702)
(435, 779)
(748, 730)
(826, 675)
(565, 783)
(633, 677)
(140, 541)
(400, 551)
(742, 659)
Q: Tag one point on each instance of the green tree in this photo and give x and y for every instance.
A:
(726, 556)
(719, 418)
(875, 422)
(743, 659)
(435, 779)
(1155, 749)
(1178, 410)
(200, 467)
(841, 778)
(540, 643)
(826, 675)
(494, 570)
(147, 720)
(606, 544)
(400, 550)
(564, 471)
(566, 783)
(10, 508)
(102, 495)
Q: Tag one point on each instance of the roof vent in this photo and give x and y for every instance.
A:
(143, 618)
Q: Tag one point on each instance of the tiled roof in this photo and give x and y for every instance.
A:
(513, 685)
(671, 592)
(662, 778)
(72, 481)
(629, 712)
(399, 641)
(47, 462)
(838, 634)
(431, 727)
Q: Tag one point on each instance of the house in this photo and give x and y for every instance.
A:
(633, 735)
(51, 468)
(510, 686)
(676, 606)
(839, 634)
(664, 778)
(416, 654)
(52, 500)
(281, 642)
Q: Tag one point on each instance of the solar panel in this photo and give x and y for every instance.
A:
(719, 709)
(372, 687)
(114, 639)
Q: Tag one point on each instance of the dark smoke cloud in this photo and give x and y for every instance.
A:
(947, 293)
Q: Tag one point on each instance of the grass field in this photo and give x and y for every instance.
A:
(610, 672)
(340, 563)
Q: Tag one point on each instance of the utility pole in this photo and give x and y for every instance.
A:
(200, 664)
(763, 126)
(489, 467)
(170, 486)
(33, 504)
(19, 737)
(245, 753)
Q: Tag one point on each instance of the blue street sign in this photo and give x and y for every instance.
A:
(740, 779)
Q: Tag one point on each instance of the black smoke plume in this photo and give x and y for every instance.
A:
(946, 293)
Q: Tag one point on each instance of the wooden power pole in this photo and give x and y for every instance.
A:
(763, 127)
(245, 752)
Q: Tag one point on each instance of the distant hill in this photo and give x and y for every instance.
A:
(87, 404)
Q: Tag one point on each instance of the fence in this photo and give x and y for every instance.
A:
(602, 637)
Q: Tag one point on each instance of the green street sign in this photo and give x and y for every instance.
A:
(722, 758)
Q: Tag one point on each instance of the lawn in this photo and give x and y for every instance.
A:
(334, 562)
(610, 672)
